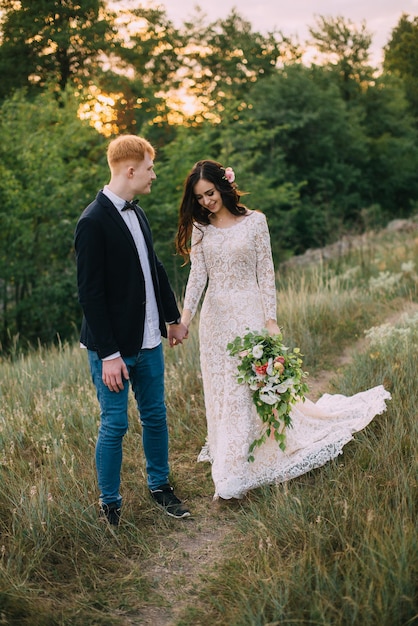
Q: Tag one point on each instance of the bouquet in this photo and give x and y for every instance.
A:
(275, 376)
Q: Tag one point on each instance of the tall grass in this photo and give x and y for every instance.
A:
(336, 546)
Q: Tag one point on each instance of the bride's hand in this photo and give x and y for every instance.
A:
(273, 327)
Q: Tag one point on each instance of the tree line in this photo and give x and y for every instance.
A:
(323, 148)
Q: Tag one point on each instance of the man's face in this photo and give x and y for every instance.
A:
(142, 176)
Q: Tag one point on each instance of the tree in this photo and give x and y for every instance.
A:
(144, 65)
(129, 56)
(401, 57)
(345, 49)
(221, 60)
(393, 149)
(51, 165)
(52, 41)
(306, 164)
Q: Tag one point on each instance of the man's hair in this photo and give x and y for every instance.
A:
(128, 148)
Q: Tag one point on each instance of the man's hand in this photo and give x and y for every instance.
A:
(177, 333)
(114, 372)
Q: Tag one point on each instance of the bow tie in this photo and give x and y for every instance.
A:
(130, 206)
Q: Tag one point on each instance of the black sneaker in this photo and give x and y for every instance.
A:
(110, 512)
(166, 500)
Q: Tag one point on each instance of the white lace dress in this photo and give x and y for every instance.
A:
(236, 265)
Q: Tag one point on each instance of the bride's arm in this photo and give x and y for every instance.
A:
(266, 277)
(197, 278)
(186, 317)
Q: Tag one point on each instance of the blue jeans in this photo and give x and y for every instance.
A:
(146, 375)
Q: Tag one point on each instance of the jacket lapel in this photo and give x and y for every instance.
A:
(143, 223)
(144, 227)
(117, 218)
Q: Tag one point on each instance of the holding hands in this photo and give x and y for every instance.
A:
(177, 333)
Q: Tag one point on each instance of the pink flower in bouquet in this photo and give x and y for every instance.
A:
(261, 370)
(279, 367)
(279, 359)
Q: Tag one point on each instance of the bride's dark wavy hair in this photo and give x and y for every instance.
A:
(191, 212)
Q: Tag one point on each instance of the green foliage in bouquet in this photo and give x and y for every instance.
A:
(275, 376)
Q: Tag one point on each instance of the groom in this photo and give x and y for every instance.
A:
(127, 301)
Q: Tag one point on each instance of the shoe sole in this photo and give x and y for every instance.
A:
(185, 514)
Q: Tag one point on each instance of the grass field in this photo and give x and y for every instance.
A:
(337, 546)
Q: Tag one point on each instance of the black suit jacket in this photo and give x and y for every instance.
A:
(111, 285)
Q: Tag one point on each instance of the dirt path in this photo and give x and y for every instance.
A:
(194, 547)
(175, 574)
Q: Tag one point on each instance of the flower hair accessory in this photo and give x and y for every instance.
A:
(229, 175)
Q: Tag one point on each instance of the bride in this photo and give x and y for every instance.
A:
(230, 256)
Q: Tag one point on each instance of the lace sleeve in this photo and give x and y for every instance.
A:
(265, 269)
(198, 273)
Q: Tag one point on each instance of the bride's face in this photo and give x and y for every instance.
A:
(208, 196)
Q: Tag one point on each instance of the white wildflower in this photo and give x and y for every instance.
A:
(387, 334)
(408, 267)
(385, 282)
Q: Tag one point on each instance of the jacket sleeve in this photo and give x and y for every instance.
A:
(90, 256)
(168, 298)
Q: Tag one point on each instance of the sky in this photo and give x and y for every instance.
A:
(293, 17)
